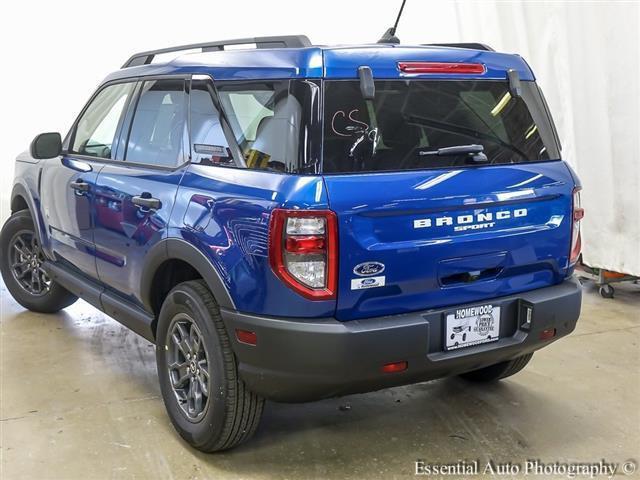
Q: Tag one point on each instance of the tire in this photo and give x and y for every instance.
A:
(231, 415)
(21, 267)
(498, 371)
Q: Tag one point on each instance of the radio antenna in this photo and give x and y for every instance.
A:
(390, 35)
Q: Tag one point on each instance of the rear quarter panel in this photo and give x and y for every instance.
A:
(225, 213)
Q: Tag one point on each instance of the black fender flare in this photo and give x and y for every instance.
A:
(20, 190)
(178, 249)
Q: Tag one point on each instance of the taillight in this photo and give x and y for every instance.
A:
(577, 213)
(303, 251)
(441, 67)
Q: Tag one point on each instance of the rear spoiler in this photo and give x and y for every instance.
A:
(472, 46)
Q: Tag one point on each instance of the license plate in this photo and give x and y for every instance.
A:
(472, 326)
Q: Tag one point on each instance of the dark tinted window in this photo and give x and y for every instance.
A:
(96, 129)
(273, 123)
(208, 143)
(409, 119)
(158, 127)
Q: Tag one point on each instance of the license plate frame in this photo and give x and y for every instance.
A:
(470, 326)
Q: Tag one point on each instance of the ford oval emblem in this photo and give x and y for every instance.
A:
(368, 268)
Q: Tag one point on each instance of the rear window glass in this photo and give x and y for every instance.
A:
(406, 123)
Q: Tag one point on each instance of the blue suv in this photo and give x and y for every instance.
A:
(295, 222)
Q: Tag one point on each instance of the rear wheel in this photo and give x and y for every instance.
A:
(208, 404)
(499, 370)
(21, 264)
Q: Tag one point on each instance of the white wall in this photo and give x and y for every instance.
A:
(585, 55)
(54, 53)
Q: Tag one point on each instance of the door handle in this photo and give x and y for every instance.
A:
(79, 186)
(147, 201)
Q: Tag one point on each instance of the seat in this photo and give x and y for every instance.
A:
(278, 136)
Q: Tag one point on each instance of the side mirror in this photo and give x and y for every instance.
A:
(46, 145)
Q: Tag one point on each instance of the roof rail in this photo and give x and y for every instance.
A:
(285, 41)
(472, 46)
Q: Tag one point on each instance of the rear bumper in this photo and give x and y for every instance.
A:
(299, 360)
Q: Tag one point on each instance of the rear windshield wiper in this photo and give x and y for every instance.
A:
(474, 152)
(468, 132)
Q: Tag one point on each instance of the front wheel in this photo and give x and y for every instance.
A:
(21, 265)
(499, 370)
(208, 404)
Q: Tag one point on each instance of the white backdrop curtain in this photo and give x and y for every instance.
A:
(586, 58)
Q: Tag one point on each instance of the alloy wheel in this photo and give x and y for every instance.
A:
(188, 365)
(26, 262)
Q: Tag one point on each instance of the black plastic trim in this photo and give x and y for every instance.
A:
(128, 313)
(515, 87)
(298, 360)
(470, 45)
(120, 309)
(177, 249)
(19, 190)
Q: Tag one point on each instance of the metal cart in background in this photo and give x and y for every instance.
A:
(604, 278)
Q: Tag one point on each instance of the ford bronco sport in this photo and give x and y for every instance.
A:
(295, 222)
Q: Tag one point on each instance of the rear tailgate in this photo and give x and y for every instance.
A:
(424, 239)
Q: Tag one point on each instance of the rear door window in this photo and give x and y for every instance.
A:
(158, 129)
(410, 119)
(209, 145)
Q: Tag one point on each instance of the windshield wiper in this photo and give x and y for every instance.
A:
(473, 152)
(467, 132)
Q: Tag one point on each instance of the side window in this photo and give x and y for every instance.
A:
(267, 121)
(96, 129)
(249, 110)
(208, 143)
(158, 128)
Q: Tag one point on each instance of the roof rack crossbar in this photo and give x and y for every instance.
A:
(473, 46)
(285, 41)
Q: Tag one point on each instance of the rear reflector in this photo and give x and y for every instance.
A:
(441, 67)
(547, 334)
(394, 367)
(246, 336)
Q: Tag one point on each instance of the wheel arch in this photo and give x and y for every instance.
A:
(177, 252)
(18, 203)
(20, 200)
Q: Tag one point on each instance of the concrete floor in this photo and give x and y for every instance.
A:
(80, 400)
